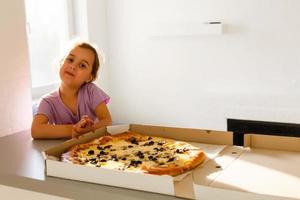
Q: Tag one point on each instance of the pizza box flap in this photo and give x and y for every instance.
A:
(266, 168)
(217, 165)
(205, 176)
(260, 171)
(184, 134)
(285, 143)
(187, 134)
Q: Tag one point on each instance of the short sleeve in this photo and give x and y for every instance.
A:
(44, 108)
(97, 96)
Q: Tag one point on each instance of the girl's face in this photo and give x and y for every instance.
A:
(77, 67)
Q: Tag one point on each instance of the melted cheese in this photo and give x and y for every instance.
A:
(122, 155)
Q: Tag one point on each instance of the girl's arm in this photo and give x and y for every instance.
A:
(40, 129)
(86, 124)
(103, 116)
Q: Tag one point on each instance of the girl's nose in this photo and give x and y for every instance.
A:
(73, 66)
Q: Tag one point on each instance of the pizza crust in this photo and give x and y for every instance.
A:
(130, 151)
(174, 170)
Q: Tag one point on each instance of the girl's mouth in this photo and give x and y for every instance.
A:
(69, 73)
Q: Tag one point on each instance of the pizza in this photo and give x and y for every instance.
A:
(130, 151)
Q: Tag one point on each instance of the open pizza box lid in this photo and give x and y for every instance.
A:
(266, 168)
(212, 142)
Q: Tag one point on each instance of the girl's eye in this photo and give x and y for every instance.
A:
(82, 65)
(69, 60)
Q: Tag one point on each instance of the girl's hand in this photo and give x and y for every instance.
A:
(86, 124)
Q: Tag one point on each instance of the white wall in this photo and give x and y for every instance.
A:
(90, 23)
(97, 33)
(15, 96)
(249, 72)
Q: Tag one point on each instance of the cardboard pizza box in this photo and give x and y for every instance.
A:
(213, 142)
(267, 168)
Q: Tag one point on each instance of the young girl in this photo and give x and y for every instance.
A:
(77, 106)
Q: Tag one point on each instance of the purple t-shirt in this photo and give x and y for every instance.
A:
(89, 97)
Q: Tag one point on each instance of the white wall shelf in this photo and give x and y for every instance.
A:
(187, 28)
